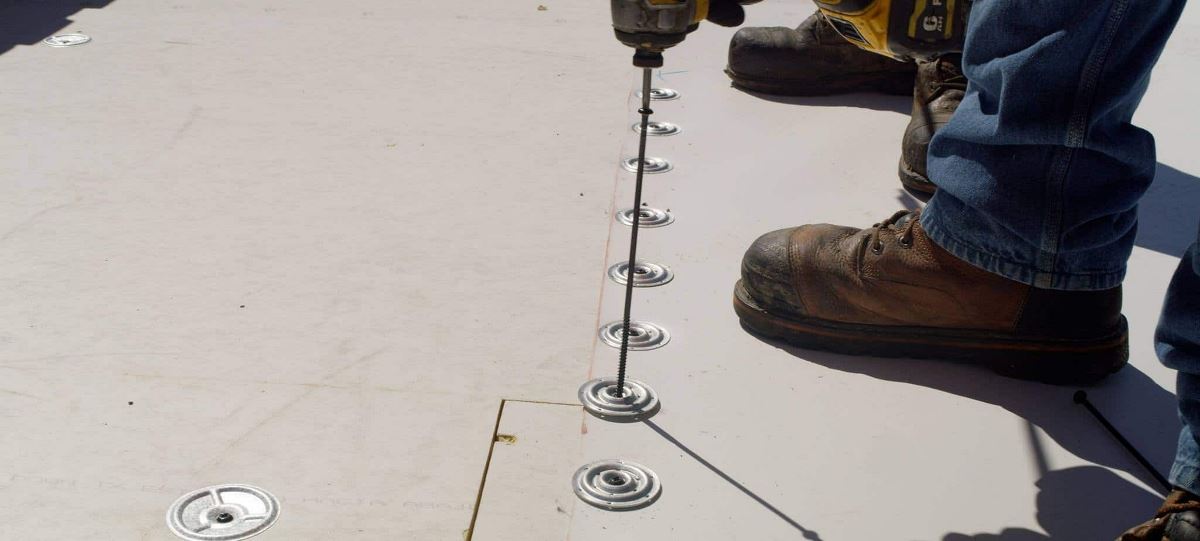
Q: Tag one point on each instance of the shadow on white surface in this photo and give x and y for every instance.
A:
(1142, 410)
(27, 22)
(805, 532)
(874, 102)
(1168, 213)
(1083, 503)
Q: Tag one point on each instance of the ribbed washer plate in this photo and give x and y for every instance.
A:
(66, 40)
(645, 274)
(648, 217)
(658, 129)
(643, 335)
(661, 94)
(223, 513)
(617, 485)
(638, 403)
(653, 165)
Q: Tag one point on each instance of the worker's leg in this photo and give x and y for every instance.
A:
(1040, 170)
(1017, 261)
(1178, 343)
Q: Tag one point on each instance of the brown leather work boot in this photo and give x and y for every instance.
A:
(889, 291)
(811, 60)
(1177, 520)
(939, 89)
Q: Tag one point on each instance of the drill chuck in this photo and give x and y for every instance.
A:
(652, 26)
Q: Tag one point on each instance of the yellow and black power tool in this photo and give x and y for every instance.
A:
(901, 29)
(652, 26)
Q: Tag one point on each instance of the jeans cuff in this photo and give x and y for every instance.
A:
(1019, 272)
(1185, 476)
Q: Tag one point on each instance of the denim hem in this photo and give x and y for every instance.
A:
(1012, 270)
(1185, 476)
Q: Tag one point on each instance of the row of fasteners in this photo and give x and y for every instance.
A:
(620, 485)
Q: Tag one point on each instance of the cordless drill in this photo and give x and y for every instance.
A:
(901, 29)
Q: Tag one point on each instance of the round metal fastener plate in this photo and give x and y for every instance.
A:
(652, 165)
(67, 40)
(644, 274)
(658, 129)
(616, 485)
(599, 398)
(643, 335)
(647, 217)
(223, 513)
(661, 94)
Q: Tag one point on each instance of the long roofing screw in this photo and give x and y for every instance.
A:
(633, 235)
(1082, 399)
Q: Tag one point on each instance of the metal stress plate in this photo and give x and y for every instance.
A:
(616, 485)
(645, 274)
(647, 217)
(658, 129)
(223, 513)
(637, 403)
(661, 94)
(652, 165)
(67, 40)
(643, 335)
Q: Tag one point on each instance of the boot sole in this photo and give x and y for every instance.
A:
(1057, 362)
(916, 183)
(882, 82)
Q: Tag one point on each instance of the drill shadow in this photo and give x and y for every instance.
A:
(1167, 212)
(27, 22)
(863, 100)
(808, 534)
(1143, 411)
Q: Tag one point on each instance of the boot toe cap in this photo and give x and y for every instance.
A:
(767, 272)
(754, 51)
(1184, 526)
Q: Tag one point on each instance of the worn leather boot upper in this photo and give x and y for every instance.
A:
(889, 274)
(889, 291)
(939, 88)
(811, 60)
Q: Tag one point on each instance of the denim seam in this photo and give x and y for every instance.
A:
(976, 251)
(1185, 476)
(1047, 258)
(1010, 269)
(1076, 136)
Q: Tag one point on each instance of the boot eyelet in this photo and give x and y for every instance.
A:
(905, 242)
(877, 248)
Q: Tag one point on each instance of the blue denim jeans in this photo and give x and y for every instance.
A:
(1040, 170)
(1177, 341)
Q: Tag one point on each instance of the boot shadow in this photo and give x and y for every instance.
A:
(862, 100)
(1167, 212)
(1144, 412)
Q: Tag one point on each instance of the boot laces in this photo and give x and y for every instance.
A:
(901, 224)
(949, 74)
